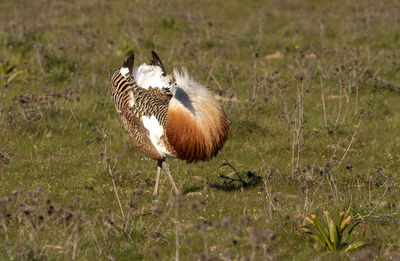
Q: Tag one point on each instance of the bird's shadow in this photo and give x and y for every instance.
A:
(250, 180)
(230, 183)
(194, 188)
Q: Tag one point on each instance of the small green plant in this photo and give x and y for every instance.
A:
(123, 49)
(334, 237)
(8, 73)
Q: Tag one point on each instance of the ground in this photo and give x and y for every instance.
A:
(311, 90)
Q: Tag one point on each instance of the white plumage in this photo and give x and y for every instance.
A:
(156, 131)
(150, 76)
(124, 71)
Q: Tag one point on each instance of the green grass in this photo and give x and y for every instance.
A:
(313, 128)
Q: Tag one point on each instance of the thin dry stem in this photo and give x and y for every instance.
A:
(350, 143)
(115, 191)
(323, 104)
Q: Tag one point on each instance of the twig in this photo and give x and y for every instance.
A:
(387, 84)
(323, 104)
(94, 237)
(300, 108)
(75, 246)
(233, 81)
(236, 172)
(293, 146)
(215, 80)
(210, 73)
(230, 165)
(73, 115)
(340, 103)
(254, 74)
(110, 171)
(351, 142)
(380, 200)
(232, 179)
(163, 219)
(146, 245)
(389, 217)
(268, 193)
(176, 235)
(115, 190)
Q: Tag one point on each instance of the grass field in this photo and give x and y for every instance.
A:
(311, 89)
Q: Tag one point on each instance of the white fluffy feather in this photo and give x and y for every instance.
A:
(124, 71)
(194, 92)
(189, 85)
(150, 76)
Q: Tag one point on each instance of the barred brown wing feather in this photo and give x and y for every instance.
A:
(135, 102)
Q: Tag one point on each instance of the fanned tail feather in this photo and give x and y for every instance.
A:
(197, 135)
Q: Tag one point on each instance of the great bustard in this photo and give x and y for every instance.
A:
(168, 116)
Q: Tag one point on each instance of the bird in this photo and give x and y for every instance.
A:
(168, 115)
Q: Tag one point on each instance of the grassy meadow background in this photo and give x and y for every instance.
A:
(312, 92)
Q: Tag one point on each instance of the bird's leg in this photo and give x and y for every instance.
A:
(159, 166)
(167, 170)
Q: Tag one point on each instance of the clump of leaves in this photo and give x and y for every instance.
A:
(8, 73)
(335, 235)
(123, 49)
